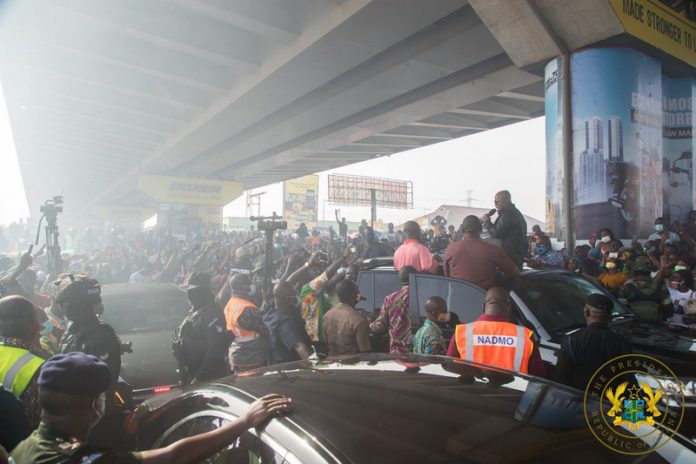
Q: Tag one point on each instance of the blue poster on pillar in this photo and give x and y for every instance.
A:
(616, 99)
(677, 168)
(554, 148)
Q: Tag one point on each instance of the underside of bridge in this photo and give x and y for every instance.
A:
(100, 92)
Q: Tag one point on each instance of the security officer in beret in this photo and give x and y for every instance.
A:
(203, 337)
(71, 392)
(585, 351)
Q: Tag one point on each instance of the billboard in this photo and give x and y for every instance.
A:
(666, 24)
(617, 141)
(301, 201)
(190, 191)
(677, 167)
(359, 190)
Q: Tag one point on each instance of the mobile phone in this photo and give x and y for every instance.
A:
(613, 254)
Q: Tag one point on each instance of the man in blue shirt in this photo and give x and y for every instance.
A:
(287, 336)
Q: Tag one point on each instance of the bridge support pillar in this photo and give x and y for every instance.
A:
(628, 130)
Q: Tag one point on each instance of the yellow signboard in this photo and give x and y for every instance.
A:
(124, 213)
(189, 191)
(669, 28)
(301, 201)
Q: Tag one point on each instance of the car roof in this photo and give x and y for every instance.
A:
(410, 408)
(153, 289)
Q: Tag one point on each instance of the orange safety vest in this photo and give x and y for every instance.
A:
(233, 310)
(501, 344)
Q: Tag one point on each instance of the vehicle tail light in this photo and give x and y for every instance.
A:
(162, 389)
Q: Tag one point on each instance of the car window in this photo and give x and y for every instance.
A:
(463, 299)
(366, 287)
(558, 302)
(246, 449)
(386, 283)
(145, 312)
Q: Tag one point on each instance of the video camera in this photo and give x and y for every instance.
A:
(269, 223)
(51, 208)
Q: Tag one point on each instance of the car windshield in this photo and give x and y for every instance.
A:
(558, 301)
(132, 312)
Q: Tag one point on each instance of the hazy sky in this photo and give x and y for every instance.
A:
(511, 158)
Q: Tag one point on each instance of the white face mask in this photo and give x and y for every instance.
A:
(606, 239)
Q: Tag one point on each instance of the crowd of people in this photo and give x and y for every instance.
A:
(51, 332)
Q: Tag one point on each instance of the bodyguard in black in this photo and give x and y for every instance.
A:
(79, 298)
(586, 350)
(204, 335)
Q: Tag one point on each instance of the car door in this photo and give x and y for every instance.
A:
(464, 300)
(374, 286)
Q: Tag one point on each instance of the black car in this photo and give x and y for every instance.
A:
(144, 316)
(548, 302)
(393, 409)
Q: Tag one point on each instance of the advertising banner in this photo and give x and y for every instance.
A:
(617, 142)
(669, 26)
(553, 103)
(301, 201)
(188, 191)
(677, 165)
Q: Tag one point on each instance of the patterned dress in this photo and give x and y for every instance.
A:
(395, 318)
(313, 306)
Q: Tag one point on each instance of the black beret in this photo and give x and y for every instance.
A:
(75, 374)
(599, 301)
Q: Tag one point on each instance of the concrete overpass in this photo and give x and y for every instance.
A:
(260, 91)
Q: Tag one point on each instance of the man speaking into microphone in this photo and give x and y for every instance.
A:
(510, 228)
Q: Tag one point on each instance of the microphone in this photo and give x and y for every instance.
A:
(492, 212)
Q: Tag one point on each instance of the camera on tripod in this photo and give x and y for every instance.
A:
(269, 223)
(51, 208)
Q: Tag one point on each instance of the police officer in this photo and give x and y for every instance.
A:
(584, 351)
(79, 298)
(249, 350)
(71, 392)
(19, 366)
(203, 335)
(496, 341)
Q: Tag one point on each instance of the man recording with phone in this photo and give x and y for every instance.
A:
(510, 227)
